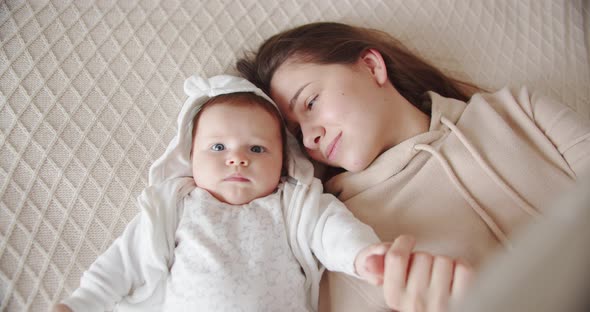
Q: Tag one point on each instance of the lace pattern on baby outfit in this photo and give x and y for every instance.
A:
(234, 258)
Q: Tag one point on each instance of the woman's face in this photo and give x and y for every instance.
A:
(343, 114)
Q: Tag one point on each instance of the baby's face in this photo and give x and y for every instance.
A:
(237, 152)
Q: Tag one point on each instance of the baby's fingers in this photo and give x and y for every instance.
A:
(60, 307)
(374, 269)
(371, 263)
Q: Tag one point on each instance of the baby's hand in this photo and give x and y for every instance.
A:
(369, 263)
(413, 281)
(60, 307)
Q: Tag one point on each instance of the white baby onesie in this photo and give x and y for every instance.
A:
(234, 258)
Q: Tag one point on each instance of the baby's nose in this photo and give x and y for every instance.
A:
(237, 161)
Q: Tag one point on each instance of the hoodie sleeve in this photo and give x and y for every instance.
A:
(565, 128)
(336, 236)
(134, 266)
(114, 273)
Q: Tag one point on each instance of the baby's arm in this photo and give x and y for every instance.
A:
(337, 236)
(413, 281)
(60, 307)
(137, 261)
(110, 277)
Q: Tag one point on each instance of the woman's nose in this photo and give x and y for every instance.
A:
(237, 160)
(312, 137)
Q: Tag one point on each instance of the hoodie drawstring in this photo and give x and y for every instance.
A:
(526, 207)
(466, 195)
(522, 204)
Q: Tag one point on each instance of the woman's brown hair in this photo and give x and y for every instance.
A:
(336, 43)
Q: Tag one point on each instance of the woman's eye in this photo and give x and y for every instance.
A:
(257, 149)
(218, 147)
(311, 103)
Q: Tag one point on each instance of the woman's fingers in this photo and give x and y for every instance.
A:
(418, 284)
(441, 282)
(396, 270)
(462, 277)
(442, 272)
(419, 271)
(420, 281)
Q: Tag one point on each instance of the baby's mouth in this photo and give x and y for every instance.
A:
(236, 177)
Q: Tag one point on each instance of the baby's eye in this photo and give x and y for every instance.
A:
(257, 149)
(217, 147)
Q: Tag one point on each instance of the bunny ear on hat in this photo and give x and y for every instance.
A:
(176, 162)
(196, 87)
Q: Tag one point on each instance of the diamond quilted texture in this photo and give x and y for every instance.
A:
(89, 92)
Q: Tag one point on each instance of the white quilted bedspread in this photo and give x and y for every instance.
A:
(89, 92)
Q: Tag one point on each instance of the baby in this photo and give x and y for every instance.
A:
(232, 219)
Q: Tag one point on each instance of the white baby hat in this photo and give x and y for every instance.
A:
(176, 162)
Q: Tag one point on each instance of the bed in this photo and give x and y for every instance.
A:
(89, 92)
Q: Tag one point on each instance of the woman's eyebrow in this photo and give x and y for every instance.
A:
(294, 98)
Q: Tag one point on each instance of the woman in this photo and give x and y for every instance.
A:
(411, 156)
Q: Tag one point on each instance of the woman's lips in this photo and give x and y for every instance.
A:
(331, 149)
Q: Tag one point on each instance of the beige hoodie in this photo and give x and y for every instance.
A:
(480, 172)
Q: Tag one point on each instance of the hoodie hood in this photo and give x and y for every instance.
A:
(394, 160)
(456, 149)
(176, 162)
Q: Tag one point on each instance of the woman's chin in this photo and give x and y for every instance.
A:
(356, 166)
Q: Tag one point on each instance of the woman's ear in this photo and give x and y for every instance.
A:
(372, 60)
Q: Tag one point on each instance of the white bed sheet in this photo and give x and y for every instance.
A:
(89, 92)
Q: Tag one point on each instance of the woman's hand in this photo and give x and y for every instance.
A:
(60, 307)
(413, 281)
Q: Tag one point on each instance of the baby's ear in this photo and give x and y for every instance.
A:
(373, 61)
